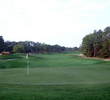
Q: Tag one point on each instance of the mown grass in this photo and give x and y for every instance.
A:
(54, 77)
(12, 61)
(48, 60)
(60, 92)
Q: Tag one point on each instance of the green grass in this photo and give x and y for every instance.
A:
(54, 77)
(53, 92)
(48, 60)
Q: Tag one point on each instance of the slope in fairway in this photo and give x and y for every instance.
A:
(55, 77)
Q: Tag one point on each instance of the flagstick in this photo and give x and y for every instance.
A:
(27, 57)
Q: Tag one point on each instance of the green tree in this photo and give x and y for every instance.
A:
(2, 46)
(18, 48)
(107, 29)
(105, 50)
(97, 44)
(87, 45)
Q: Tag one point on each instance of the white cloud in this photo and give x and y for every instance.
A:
(62, 22)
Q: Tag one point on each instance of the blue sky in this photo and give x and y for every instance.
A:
(63, 22)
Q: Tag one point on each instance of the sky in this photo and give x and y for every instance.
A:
(63, 22)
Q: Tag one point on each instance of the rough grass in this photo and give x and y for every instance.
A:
(54, 77)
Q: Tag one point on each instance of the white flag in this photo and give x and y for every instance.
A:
(27, 56)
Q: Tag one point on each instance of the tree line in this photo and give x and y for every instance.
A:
(31, 47)
(97, 44)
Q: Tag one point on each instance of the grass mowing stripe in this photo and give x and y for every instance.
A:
(55, 77)
(62, 92)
